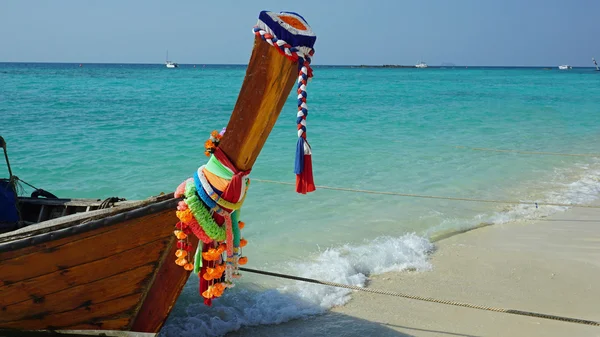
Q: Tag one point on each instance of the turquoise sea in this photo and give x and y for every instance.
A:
(133, 131)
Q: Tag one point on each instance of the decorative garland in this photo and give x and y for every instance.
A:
(199, 212)
(202, 215)
(213, 141)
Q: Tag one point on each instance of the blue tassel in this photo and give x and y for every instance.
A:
(299, 156)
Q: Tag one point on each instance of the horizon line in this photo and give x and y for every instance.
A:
(322, 65)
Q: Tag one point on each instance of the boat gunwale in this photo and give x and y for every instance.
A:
(73, 333)
(62, 227)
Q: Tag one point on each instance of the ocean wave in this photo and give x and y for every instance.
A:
(249, 305)
(564, 188)
(577, 185)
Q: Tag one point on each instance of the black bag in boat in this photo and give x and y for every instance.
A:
(9, 215)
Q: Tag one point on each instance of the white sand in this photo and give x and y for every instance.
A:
(549, 266)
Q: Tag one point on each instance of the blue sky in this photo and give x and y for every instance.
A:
(464, 32)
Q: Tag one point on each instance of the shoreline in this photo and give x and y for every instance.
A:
(549, 265)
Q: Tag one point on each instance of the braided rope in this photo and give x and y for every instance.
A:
(284, 48)
(304, 73)
(426, 299)
(514, 202)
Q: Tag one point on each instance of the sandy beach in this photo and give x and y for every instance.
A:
(549, 266)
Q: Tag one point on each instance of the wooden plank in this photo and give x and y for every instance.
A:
(60, 202)
(42, 214)
(4, 256)
(169, 282)
(87, 332)
(122, 237)
(81, 296)
(78, 218)
(269, 78)
(40, 286)
(112, 314)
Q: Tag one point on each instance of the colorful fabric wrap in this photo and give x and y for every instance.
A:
(218, 183)
(218, 198)
(210, 203)
(238, 180)
(293, 38)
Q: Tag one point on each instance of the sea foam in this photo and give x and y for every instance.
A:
(247, 305)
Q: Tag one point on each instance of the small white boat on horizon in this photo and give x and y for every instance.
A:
(421, 64)
(170, 64)
(565, 67)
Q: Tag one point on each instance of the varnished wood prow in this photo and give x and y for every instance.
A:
(269, 79)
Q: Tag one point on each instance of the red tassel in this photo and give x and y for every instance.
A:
(304, 181)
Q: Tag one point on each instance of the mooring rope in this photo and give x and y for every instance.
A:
(426, 299)
(530, 152)
(513, 202)
(24, 182)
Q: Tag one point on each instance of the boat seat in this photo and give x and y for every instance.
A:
(9, 214)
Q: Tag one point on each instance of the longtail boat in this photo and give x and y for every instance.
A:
(115, 266)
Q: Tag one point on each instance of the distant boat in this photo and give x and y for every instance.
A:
(421, 64)
(596, 64)
(565, 67)
(170, 64)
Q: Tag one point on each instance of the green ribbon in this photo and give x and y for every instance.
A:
(215, 167)
(237, 235)
(198, 258)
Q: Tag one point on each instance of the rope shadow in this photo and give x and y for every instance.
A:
(428, 330)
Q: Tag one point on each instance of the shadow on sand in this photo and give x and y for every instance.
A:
(337, 324)
(249, 310)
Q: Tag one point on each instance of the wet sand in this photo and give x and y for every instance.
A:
(549, 266)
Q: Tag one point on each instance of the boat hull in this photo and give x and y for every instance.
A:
(113, 273)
